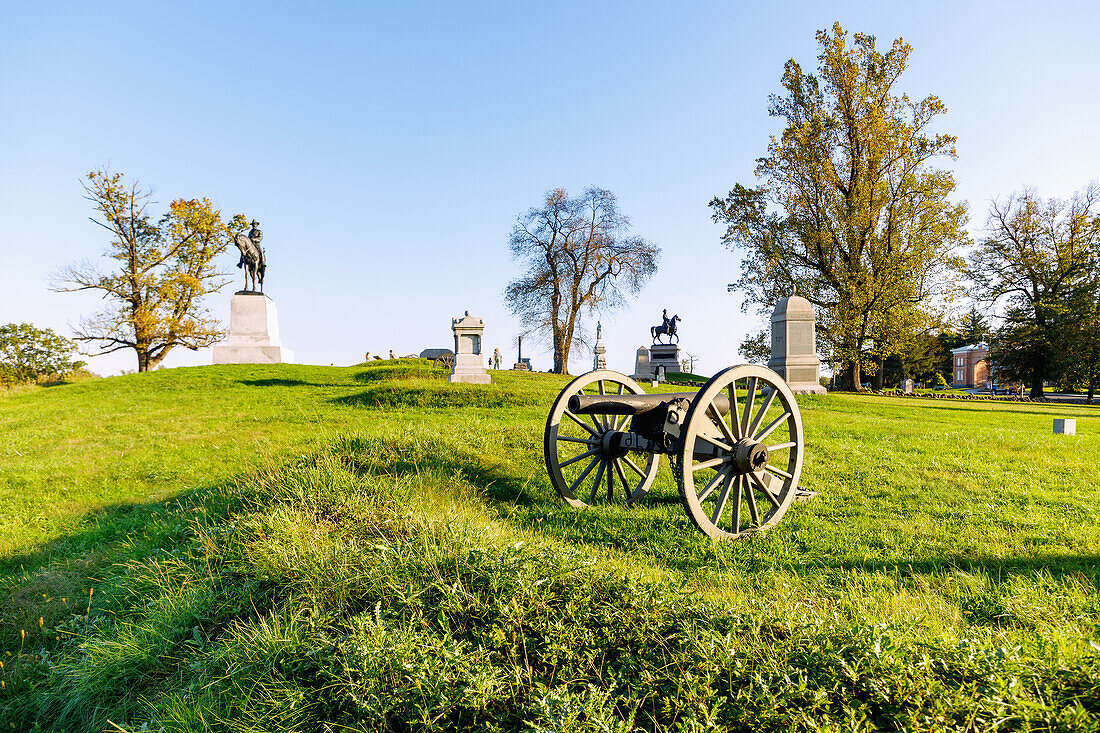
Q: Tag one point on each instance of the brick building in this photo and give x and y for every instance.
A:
(970, 366)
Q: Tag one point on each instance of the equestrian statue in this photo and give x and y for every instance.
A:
(667, 328)
(252, 256)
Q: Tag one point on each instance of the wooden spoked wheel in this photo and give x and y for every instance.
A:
(738, 472)
(579, 458)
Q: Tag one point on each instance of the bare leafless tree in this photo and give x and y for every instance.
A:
(580, 256)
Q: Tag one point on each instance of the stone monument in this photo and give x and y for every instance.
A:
(642, 370)
(253, 319)
(521, 365)
(599, 358)
(907, 386)
(665, 355)
(794, 345)
(469, 367)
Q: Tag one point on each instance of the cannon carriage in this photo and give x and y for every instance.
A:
(736, 446)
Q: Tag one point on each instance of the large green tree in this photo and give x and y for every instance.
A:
(1038, 259)
(580, 256)
(974, 326)
(28, 354)
(162, 269)
(849, 211)
(1080, 360)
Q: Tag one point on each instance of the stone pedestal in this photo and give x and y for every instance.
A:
(794, 345)
(599, 355)
(469, 361)
(642, 369)
(253, 333)
(664, 355)
(907, 386)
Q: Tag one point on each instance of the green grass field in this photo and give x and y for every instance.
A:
(247, 548)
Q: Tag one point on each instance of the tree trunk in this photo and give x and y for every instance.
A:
(879, 379)
(848, 379)
(1036, 383)
(1093, 373)
(561, 351)
(153, 362)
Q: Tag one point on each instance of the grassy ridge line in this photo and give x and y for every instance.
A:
(343, 590)
(72, 452)
(873, 557)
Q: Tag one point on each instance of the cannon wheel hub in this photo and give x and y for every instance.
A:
(750, 455)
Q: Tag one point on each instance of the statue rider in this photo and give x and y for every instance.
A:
(255, 236)
(664, 320)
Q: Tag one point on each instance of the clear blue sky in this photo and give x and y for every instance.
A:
(387, 148)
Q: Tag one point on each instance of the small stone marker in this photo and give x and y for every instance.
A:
(907, 386)
(1065, 426)
(468, 366)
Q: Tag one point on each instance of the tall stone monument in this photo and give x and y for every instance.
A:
(642, 369)
(253, 319)
(599, 358)
(469, 363)
(794, 345)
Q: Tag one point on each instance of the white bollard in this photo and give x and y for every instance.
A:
(1065, 426)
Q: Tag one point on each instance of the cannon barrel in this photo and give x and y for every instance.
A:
(633, 404)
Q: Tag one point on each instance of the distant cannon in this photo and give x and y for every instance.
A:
(736, 445)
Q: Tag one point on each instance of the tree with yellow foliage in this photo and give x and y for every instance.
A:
(850, 212)
(162, 270)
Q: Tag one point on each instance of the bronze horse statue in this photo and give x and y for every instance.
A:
(252, 258)
(668, 328)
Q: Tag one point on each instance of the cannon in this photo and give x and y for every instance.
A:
(735, 446)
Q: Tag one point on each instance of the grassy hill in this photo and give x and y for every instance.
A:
(314, 548)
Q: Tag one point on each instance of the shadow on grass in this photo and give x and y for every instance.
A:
(281, 383)
(116, 532)
(1084, 566)
(47, 584)
(491, 480)
(387, 373)
(437, 394)
(964, 406)
(657, 527)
